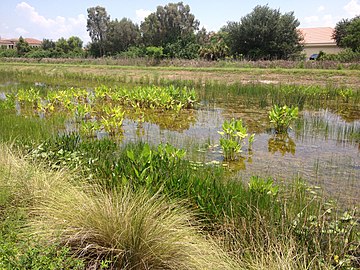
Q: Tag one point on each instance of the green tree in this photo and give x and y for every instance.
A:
(264, 33)
(122, 35)
(47, 44)
(62, 45)
(97, 26)
(22, 46)
(203, 37)
(75, 44)
(215, 48)
(340, 31)
(352, 38)
(169, 25)
(347, 33)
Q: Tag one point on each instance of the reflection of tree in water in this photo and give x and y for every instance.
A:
(281, 143)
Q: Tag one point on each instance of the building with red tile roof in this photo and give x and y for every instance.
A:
(11, 43)
(318, 39)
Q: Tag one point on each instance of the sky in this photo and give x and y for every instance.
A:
(64, 18)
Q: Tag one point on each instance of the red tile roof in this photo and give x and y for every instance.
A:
(317, 35)
(31, 41)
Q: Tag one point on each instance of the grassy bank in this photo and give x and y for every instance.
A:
(122, 229)
(227, 75)
(260, 226)
(199, 63)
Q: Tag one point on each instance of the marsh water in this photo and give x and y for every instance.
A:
(323, 146)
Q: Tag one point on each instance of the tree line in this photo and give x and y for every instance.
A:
(172, 31)
(62, 48)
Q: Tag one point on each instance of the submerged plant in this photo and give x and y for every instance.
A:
(282, 117)
(232, 138)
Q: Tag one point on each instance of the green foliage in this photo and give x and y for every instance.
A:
(352, 37)
(262, 186)
(47, 44)
(31, 255)
(155, 52)
(22, 47)
(265, 33)
(122, 35)
(346, 94)
(168, 24)
(257, 215)
(19, 249)
(38, 53)
(281, 117)
(182, 49)
(340, 31)
(346, 33)
(216, 48)
(8, 53)
(345, 56)
(97, 26)
(232, 138)
(133, 52)
(113, 119)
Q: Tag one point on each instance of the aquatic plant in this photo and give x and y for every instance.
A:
(346, 94)
(113, 119)
(281, 117)
(232, 138)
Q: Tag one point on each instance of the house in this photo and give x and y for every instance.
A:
(318, 39)
(11, 43)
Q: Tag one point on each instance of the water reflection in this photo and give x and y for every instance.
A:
(326, 125)
(281, 143)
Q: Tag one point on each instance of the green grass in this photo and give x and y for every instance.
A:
(27, 130)
(250, 218)
(119, 228)
(137, 189)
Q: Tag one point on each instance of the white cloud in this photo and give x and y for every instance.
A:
(321, 8)
(311, 19)
(352, 8)
(21, 31)
(141, 14)
(326, 20)
(52, 28)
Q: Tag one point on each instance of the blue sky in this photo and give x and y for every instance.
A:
(64, 18)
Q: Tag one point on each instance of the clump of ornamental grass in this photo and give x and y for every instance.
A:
(130, 231)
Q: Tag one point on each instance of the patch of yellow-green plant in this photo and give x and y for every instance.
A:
(281, 117)
(233, 136)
